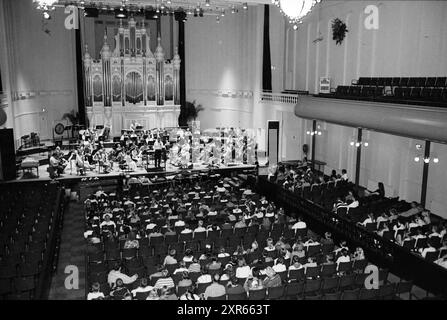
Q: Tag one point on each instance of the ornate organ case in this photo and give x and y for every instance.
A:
(132, 83)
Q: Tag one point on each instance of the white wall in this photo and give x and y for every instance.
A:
(437, 180)
(411, 41)
(41, 67)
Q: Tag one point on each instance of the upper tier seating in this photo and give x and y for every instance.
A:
(412, 90)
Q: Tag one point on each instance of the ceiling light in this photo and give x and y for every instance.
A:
(351, 143)
(416, 159)
(435, 160)
(357, 144)
(295, 9)
(245, 6)
(366, 144)
(207, 3)
(295, 27)
(426, 160)
(121, 13)
(46, 15)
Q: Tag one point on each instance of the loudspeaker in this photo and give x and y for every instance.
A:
(273, 142)
(7, 155)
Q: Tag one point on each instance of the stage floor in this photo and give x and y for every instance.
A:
(116, 172)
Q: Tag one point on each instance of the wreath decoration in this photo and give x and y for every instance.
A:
(338, 30)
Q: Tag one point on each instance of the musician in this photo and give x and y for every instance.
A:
(131, 165)
(104, 161)
(55, 163)
(79, 160)
(158, 146)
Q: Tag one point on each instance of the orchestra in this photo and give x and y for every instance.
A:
(136, 148)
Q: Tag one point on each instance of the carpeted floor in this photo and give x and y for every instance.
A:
(72, 253)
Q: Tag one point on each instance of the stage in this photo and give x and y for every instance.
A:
(70, 174)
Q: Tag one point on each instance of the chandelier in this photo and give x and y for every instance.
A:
(46, 6)
(295, 10)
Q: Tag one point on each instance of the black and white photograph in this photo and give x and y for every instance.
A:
(261, 153)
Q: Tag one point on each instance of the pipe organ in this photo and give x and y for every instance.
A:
(131, 82)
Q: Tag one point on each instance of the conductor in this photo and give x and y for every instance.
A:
(158, 146)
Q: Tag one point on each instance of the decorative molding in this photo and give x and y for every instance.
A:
(25, 95)
(29, 113)
(224, 93)
(279, 97)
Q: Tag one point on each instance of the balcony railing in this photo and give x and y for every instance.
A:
(279, 97)
(3, 100)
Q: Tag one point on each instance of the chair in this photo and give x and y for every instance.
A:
(404, 287)
(294, 289)
(222, 297)
(257, 294)
(283, 276)
(440, 82)
(238, 296)
(416, 92)
(387, 291)
(23, 284)
(141, 295)
(313, 297)
(330, 284)
(171, 238)
(344, 266)
(383, 276)
(5, 287)
(432, 255)
(359, 265)
(421, 243)
(226, 233)
(346, 281)
(430, 82)
(313, 250)
(201, 287)
(275, 293)
(313, 272)
(389, 235)
(297, 275)
(171, 267)
(368, 294)
(350, 294)
(181, 290)
(312, 286)
(184, 237)
(129, 253)
(328, 270)
(332, 296)
(327, 248)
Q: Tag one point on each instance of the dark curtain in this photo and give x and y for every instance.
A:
(80, 75)
(266, 60)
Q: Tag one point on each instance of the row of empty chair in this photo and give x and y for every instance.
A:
(436, 94)
(28, 223)
(429, 82)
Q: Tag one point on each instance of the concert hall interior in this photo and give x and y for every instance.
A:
(223, 150)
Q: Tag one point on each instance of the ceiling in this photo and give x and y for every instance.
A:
(214, 5)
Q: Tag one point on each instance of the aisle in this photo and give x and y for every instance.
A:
(72, 253)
